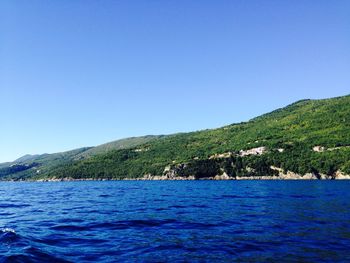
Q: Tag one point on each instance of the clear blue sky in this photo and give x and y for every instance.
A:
(81, 73)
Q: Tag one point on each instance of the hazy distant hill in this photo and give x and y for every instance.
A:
(26, 158)
(23, 167)
(309, 137)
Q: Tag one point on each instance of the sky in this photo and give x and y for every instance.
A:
(82, 73)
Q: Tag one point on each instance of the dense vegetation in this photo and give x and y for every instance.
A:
(288, 134)
(116, 145)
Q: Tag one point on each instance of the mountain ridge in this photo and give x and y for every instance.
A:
(293, 130)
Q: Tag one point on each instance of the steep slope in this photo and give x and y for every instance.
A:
(309, 136)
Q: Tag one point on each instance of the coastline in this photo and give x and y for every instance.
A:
(289, 176)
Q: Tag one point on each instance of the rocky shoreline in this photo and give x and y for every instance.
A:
(281, 176)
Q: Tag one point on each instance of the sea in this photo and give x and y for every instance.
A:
(175, 221)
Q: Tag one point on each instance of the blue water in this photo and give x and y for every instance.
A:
(175, 221)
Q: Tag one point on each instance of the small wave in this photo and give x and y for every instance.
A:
(70, 228)
(13, 205)
(7, 230)
(8, 236)
(115, 225)
(70, 220)
(104, 195)
(6, 214)
(231, 196)
(31, 254)
(134, 224)
(303, 196)
(178, 206)
(200, 206)
(24, 247)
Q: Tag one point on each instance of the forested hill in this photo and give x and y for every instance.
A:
(309, 139)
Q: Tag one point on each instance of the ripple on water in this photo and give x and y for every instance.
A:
(7, 235)
(11, 205)
(175, 221)
(24, 251)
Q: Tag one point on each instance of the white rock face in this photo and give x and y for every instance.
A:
(340, 176)
(292, 176)
(309, 176)
(164, 177)
(318, 148)
(222, 155)
(141, 150)
(254, 151)
(224, 176)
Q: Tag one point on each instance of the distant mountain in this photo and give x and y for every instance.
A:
(44, 163)
(309, 139)
(27, 157)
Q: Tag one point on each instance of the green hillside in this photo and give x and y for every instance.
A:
(117, 145)
(309, 136)
(29, 166)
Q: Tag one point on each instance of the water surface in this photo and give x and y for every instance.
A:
(176, 221)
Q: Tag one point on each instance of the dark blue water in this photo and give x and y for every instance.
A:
(191, 221)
